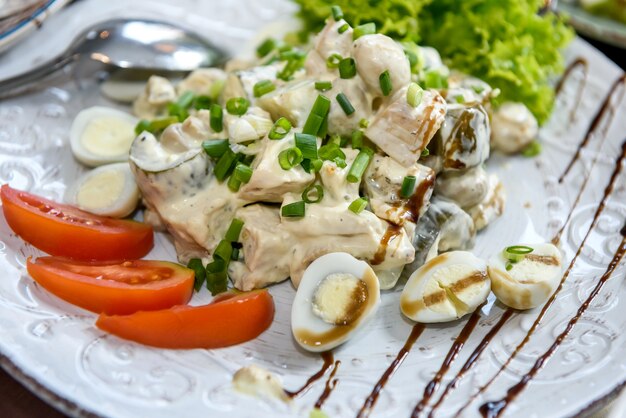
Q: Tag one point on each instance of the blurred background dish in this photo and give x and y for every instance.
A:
(597, 25)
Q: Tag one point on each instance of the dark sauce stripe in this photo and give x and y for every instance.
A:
(369, 403)
(578, 63)
(328, 363)
(331, 383)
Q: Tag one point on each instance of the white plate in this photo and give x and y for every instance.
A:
(57, 350)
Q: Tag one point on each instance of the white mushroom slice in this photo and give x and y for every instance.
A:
(102, 135)
(257, 381)
(337, 295)
(152, 102)
(465, 89)
(527, 283)
(254, 124)
(463, 140)
(293, 101)
(446, 288)
(467, 188)
(377, 53)
(403, 131)
(202, 82)
(513, 127)
(492, 205)
(109, 190)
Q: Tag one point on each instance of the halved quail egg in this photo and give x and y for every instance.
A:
(337, 295)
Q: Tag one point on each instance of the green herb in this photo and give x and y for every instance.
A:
(307, 145)
(215, 147)
(532, 150)
(293, 210)
(347, 68)
(266, 47)
(359, 165)
(385, 83)
(289, 158)
(263, 87)
(333, 61)
(414, 95)
(313, 194)
(358, 205)
(237, 106)
(345, 104)
(216, 118)
(337, 12)
(199, 272)
(365, 29)
(225, 165)
(243, 173)
(280, 129)
(234, 230)
(408, 187)
(323, 85)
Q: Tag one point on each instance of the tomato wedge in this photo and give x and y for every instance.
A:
(122, 288)
(66, 231)
(228, 321)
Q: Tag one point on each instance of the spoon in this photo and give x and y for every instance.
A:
(144, 45)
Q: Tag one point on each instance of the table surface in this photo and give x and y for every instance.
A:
(17, 402)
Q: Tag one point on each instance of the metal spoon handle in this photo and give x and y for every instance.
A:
(25, 81)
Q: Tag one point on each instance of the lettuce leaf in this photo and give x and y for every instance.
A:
(504, 42)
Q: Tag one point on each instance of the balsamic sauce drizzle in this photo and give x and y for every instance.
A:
(458, 344)
(330, 385)
(329, 359)
(369, 403)
(607, 192)
(494, 409)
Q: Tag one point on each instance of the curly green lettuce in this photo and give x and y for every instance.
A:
(504, 42)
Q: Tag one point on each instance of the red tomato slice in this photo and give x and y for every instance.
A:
(228, 321)
(122, 288)
(66, 231)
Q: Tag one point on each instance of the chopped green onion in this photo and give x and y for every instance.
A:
(365, 29)
(223, 251)
(307, 145)
(414, 95)
(316, 165)
(340, 162)
(202, 102)
(459, 98)
(316, 117)
(358, 205)
(143, 125)
(478, 89)
(508, 266)
(357, 139)
(343, 28)
(337, 13)
(242, 173)
(225, 165)
(345, 104)
(293, 210)
(408, 187)
(175, 110)
(234, 230)
(532, 150)
(263, 87)
(293, 64)
(323, 85)
(233, 184)
(289, 158)
(158, 125)
(216, 118)
(237, 106)
(216, 89)
(330, 151)
(292, 54)
(323, 129)
(215, 148)
(280, 129)
(216, 277)
(385, 82)
(433, 79)
(359, 165)
(313, 194)
(235, 255)
(335, 139)
(516, 253)
(412, 57)
(266, 47)
(333, 61)
(185, 100)
(347, 68)
(425, 153)
(364, 123)
(199, 272)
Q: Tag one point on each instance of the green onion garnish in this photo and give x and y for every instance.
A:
(358, 205)
(340, 162)
(234, 230)
(359, 165)
(433, 79)
(307, 145)
(289, 158)
(158, 125)
(364, 123)
(516, 253)
(216, 118)
(223, 251)
(412, 57)
(185, 100)
(216, 277)
(408, 187)
(293, 210)
(199, 272)
(385, 82)
(478, 89)
(508, 266)
(235, 255)
(459, 99)
(263, 87)
(330, 151)
(313, 194)
(316, 165)
(242, 173)
(225, 165)
(414, 95)
(280, 129)
(317, 116)
(323, 85)
(337, 13)
(215, 148)
(294, 63)
(357, 139)
(266, 47)
(143, 125)
(333, 61)
(345, 104)
(425, 153)
(347, 68)
(343, 28)
(365, 29)
(237, 106)
(175, 110)
(532, 150)
(202, 102)
(233, 184)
